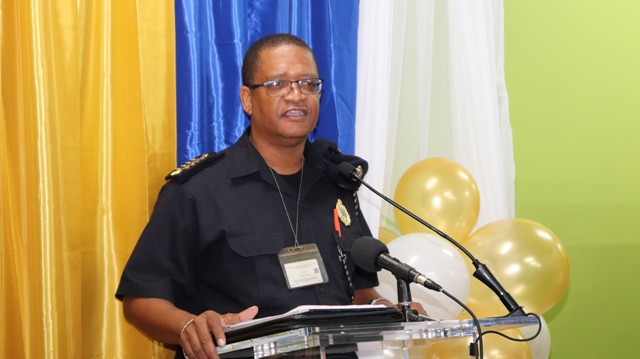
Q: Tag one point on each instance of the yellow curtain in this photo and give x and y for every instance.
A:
(87, 131)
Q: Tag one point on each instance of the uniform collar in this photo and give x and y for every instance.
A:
(246, 160)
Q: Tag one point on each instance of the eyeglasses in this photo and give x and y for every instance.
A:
(279, 88)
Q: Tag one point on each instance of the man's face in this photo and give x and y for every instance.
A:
(286, 118)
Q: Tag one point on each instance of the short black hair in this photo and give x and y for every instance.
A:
(251, 61)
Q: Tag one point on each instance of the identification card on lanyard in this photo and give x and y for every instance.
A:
(302, 266)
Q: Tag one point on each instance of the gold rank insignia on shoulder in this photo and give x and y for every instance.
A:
(188, 169)
(187, 165)
(343, 214)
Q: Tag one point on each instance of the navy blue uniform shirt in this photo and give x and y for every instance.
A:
(213, 239)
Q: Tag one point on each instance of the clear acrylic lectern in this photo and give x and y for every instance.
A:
(369, 335)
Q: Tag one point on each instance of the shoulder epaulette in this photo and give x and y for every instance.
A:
(193, 166)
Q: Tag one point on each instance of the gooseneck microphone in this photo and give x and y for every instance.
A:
(372, 255)
(482, 273)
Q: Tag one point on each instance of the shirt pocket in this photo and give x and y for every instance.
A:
(256, 258)
(256, 245)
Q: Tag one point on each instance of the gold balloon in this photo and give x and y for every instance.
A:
(442, 193)
(526, 258)
(494, 347)
(386, 235)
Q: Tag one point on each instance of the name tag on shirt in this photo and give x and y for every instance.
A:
(302, 266)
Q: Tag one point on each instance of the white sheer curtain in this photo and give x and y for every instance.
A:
(431, 84)
(380, 53)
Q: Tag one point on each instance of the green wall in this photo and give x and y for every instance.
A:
(573, 75)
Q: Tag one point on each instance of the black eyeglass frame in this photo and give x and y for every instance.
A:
(268, 85)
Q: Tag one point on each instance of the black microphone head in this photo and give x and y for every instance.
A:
(365, 252)
(347, 169)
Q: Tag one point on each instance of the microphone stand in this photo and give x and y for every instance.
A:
(482, 273)
(404, 299)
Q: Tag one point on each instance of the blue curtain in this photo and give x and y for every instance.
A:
(211, 39)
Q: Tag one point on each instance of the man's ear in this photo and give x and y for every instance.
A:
(245, 97)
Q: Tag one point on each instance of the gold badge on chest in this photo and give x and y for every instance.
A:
(343, 214)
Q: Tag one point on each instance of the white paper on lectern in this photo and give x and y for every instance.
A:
(303, 309)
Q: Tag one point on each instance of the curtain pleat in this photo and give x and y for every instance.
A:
(87, 133)
(381, 49)
(40, 182)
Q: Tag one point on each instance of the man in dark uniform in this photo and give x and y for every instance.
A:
(265, 225)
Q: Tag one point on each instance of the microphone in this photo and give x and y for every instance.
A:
(482, 273)
(372, 255)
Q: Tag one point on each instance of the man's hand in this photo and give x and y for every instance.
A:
(164, 322)
(198, 334)
(413, 305)
(369, 295)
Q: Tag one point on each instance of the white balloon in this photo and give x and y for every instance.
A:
(541, 345)
(439, 261)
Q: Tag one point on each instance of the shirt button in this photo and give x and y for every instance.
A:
(321, 290)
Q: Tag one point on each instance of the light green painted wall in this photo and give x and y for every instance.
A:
(573, 75)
